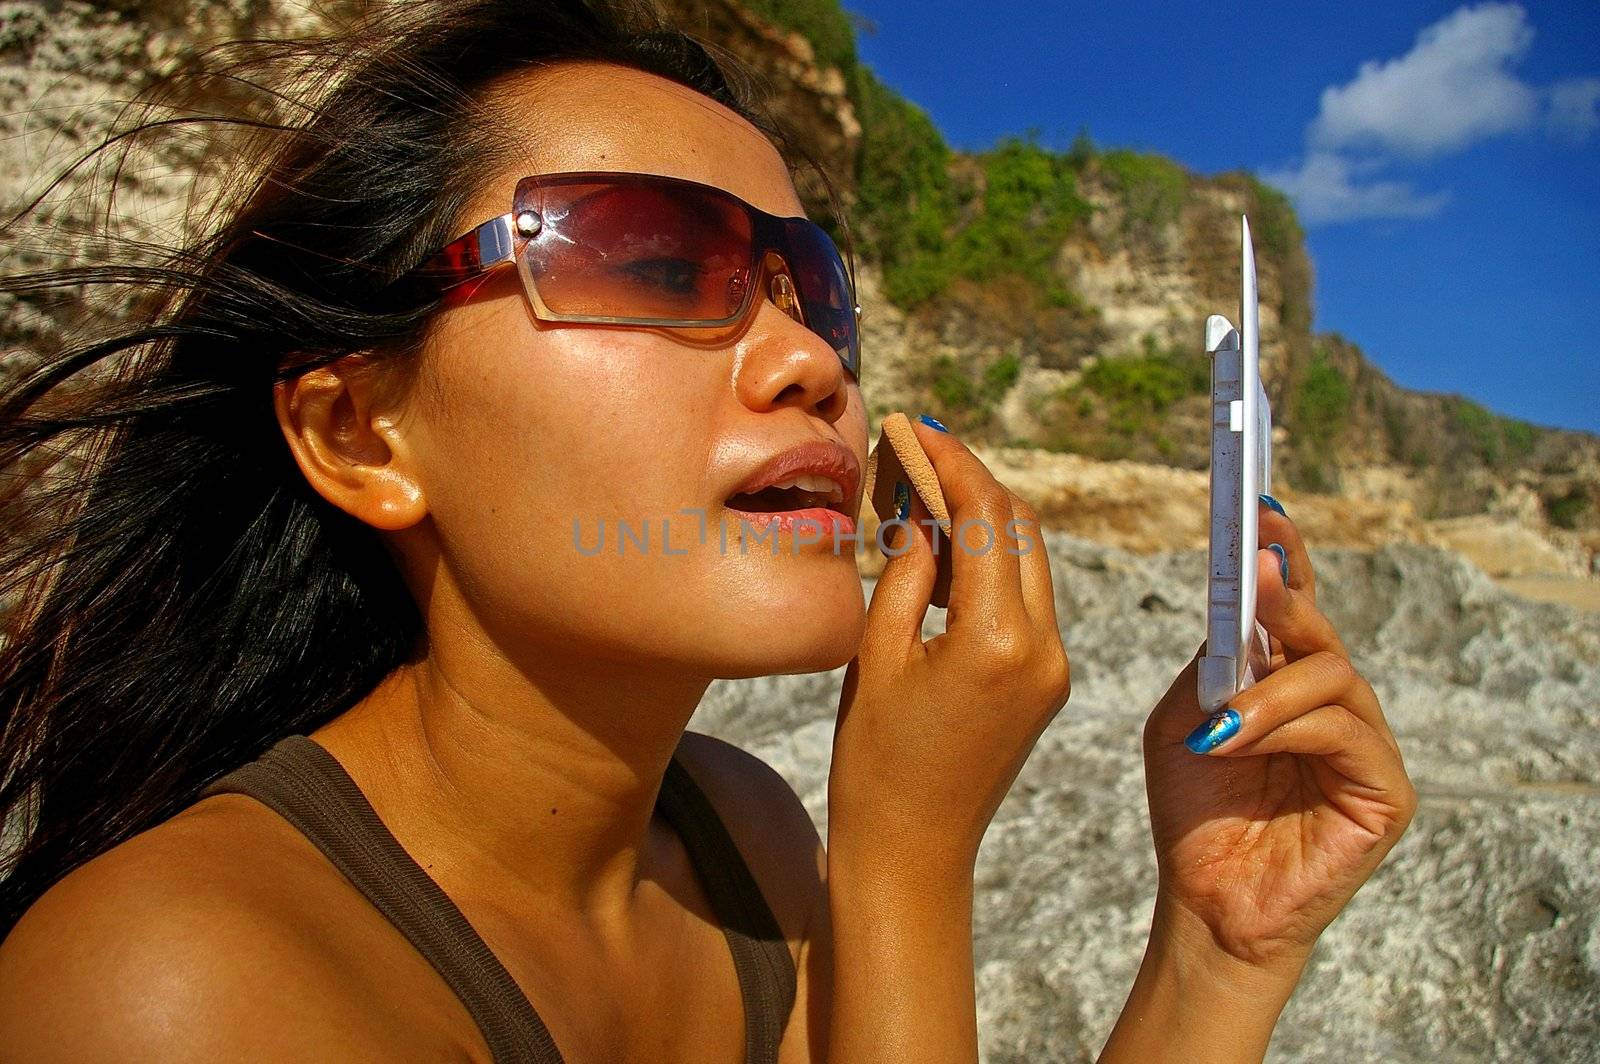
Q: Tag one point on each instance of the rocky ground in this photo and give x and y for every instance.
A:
(1479, 937)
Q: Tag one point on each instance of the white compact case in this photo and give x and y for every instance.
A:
(1241, 469)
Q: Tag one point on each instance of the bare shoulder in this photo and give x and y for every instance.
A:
(768, 823)
(206, 937)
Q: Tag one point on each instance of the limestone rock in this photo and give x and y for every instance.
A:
(1477, 939)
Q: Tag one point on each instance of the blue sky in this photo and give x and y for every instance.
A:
(1445, 157)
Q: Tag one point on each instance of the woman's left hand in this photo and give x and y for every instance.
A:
(1263, 838)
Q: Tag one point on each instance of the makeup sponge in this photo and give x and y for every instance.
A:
(898, 466)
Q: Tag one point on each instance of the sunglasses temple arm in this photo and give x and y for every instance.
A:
(469, 255)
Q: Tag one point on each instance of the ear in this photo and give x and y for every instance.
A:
(349, 445)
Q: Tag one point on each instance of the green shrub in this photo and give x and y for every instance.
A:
(906, 204)
(951, 385)
(1565, 511)
(1152, 187)
(957, 390)
(1493, 439)
(1082, 150)
(1477, 425)
(1000, 375)
(1520, 437)
(1149, 383)
(1273, 224)
(1030, 204)
(1322, 402)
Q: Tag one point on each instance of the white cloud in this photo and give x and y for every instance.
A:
(1575, 107)
(1453, 88)
(1324, 189)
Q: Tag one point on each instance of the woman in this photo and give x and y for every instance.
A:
(458, 814)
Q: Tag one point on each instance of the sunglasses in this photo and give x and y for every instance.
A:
(624, 248)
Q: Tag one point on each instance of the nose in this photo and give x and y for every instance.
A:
(787, 364)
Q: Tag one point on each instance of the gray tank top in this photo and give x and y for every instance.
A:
(305, 784)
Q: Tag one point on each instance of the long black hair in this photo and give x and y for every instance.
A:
(177, 597)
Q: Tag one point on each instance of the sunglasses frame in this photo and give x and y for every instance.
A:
(502, 240)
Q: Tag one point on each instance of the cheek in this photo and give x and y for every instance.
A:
(576, 425)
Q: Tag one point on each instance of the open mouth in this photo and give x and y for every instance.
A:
(798, 493)
(806, 503)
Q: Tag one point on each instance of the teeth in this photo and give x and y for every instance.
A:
(817, 484)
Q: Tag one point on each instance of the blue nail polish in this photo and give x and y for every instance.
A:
(1283, 560)
(902, 499)
(1273, 503)
(931, 422)
(1217, 729)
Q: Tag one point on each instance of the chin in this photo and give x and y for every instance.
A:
(804, 641)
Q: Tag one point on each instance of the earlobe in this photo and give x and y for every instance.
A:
(351, 456)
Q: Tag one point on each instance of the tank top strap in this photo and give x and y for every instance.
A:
(306, 785)
(760, 952)
(299, 780)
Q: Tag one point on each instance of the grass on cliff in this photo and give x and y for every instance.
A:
(1321, 404)
(1494, 439)
(966, 393)
(1565, 510)
(1123, 407)
(1150, 382)
(1152, 189)
(926, 229)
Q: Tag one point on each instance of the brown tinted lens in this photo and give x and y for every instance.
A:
(638, 251)
(824, 285)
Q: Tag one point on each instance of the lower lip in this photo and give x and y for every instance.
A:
(818, 521)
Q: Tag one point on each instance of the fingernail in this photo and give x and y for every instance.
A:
(902, 499)
(1273, 503)
(1217, 729)
(1283, 560)
(932, 423)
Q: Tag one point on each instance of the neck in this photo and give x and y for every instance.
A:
(502, 780)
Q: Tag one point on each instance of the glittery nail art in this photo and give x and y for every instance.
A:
(1216, 730)
(902, 499)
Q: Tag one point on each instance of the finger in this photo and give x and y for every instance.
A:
(904, 588)
(1333, 733)
(1038, 587)
(1273, 526)
(1291, 614)
(986, 584)
(1362, 700)
(1318, 679)
(928, 529)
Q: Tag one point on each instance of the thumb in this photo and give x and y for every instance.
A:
(1178, 711)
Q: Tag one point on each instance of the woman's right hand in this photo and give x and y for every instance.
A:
(931, 735)
(929, 739)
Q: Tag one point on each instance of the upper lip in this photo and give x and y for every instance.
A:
(818, 457)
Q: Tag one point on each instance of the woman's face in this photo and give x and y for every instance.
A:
(528, 439)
